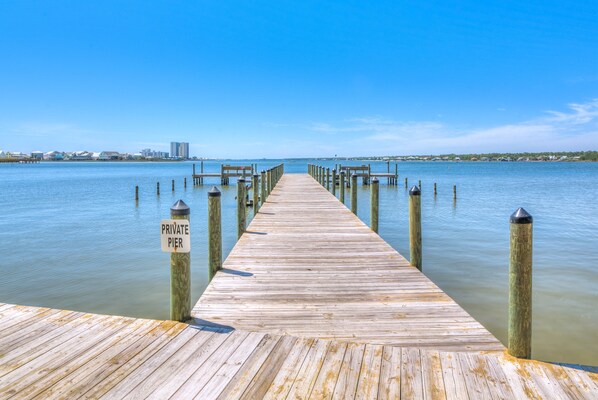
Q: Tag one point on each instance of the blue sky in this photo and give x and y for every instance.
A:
(299, 79)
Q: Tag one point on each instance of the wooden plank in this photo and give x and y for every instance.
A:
(433, 379)
(390, 374)
(411, 374)
(369, 376)
(328, 374)
(455, 385)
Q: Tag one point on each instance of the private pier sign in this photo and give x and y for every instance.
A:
(175, 236)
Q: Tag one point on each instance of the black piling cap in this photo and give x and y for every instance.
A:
(521, 217)
(180, 208)
(334, 170)
(255, 175)
(214, 192)
(242, 180)
(414, 191)
(375, 180)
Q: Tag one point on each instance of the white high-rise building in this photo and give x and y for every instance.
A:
(179, 150)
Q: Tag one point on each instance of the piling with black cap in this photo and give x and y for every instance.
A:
(180, 273)
(374, 193)
(328, 179)
(256, 193)
(354, 194)
(333, 188)
(415, 228)
(214, 232)
(520, 284)
(241, 204)
(341, 188)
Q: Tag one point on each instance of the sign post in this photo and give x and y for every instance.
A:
(175, 237)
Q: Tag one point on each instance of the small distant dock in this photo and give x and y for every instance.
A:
(226, 172)
(310, 304)
(19, 160)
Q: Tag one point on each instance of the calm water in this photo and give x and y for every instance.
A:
(71, 236)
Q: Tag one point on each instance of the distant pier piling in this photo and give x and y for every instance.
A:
(415, 230)
(263, 187)
(158, 188)
(241, 205)
(435, 192)
(454, 192)
(341, 187)
(214, 232)
(255, 191)
(173, 185)
(354, 194)
(374, 203)
(333, 188)
(136, 193)
(520, 284)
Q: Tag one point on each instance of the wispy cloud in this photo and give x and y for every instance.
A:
(573, 129)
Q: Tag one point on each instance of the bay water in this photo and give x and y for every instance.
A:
(73, 237)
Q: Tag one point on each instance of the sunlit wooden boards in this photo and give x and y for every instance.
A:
(308, 267)
(57, 354)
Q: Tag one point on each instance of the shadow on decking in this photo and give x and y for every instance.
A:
(235, 272)
(255, 233)
(209, 326)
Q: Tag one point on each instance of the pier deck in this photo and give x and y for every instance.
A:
(311, 304)
(309, 267)
(58, 354)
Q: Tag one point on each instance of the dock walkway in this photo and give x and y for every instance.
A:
(310, 304)
(309, 267)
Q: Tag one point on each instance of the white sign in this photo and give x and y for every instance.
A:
(175, 236)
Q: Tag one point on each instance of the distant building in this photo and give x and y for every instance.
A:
(54, 156)
(149, 153)
(37, 155)
(179, 150)
(81, 156)
(109, 155)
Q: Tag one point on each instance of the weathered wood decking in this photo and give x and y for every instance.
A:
(309, 267)
(323, 308)
(47, 353)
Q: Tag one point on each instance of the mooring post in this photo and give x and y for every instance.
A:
(256, 196)
(180, 273)
(158, 188)
(173, 185)
(374, 191)
(136, 193)
(214, 232)
(341, 187)
(201, 171)
(185, 182)
(454, 192)
(270, 186)
(415, 228)
(420, 185)
(263, 187)
(241, 204)
(435, 192)
(194, 170)
(334, 182)
(354, 194)
(520, 285)
(396, 179)
(406, 183)
(328, 179)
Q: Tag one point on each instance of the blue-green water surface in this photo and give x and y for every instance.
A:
(72, 237)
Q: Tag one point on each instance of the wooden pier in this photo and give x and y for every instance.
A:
(226, 172)
(309, 304)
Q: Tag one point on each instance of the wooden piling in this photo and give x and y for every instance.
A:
(180, 273)
(374, 202)
(270, 186)
(136, 193)
(396, 178)
(520, 284)
(406, 183)
(435, 192)
(185, 183)
(255, 191)
(214, 232)
(415, 229)
(173, 185)
(201, 171)
(333, 182)
(354, 194)
(454, 192)
(328, 179)
(158, 188)
(420, 185)
(241, 205)
(263, 187)
(341, 187)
